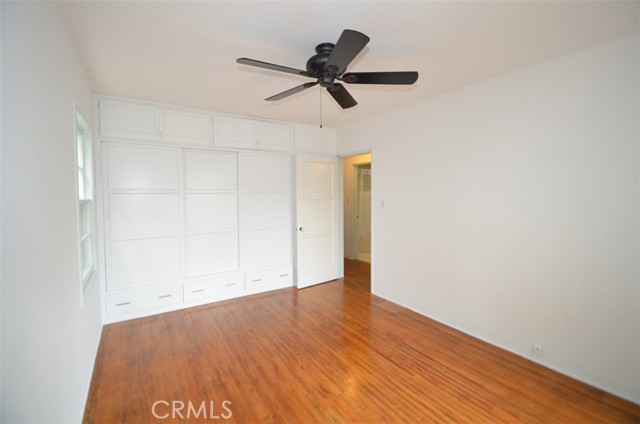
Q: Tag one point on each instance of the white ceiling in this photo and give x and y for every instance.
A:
(183, 52)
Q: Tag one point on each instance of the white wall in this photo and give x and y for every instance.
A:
(511, 211)
(313, 140)
(48, 340)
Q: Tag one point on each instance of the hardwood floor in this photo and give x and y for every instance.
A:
(328, 353)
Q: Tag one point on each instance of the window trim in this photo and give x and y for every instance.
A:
(82, 131)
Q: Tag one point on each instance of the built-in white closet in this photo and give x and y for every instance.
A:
(196, 206)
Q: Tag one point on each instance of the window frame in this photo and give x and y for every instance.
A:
(85, 202)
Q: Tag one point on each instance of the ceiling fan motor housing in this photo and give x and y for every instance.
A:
(315, 65)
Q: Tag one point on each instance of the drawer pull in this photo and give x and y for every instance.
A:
(123, 304)
(164, 296)
(284, 275)
(198, 291)
(259, 279)
(230, 285)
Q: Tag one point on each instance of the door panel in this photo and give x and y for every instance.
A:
(318, 244)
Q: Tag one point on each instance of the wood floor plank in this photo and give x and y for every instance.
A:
(330, 353)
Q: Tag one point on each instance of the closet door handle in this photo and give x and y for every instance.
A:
(301, 229)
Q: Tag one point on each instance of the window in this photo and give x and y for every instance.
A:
(86, 225)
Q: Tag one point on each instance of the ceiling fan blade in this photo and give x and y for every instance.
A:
(291, 91)
(347, 48)
(405, 78)
(271, 66)
(342, 96)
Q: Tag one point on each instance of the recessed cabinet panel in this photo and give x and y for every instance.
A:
(234, 132)
(216, 252)
(266, 210)
(211, 171)
(272, 173)
(185, 127)
(140, 215)
(212, 212)
(142, 168)
(137, 262)
(266, 247)
(128, 120)
(274, 136)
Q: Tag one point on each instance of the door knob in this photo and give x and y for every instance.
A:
(301, 229)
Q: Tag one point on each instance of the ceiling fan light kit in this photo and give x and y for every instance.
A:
(329, 65)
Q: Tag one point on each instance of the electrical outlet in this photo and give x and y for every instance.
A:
(537, 350)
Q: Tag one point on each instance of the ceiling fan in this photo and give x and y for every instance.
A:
(329, 65)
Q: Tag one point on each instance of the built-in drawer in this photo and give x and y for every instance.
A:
(144, 298)
(274, 277)
(212, 287)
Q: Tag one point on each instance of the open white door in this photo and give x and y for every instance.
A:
(317, 224)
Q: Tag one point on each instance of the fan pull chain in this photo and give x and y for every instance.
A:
(320, 90)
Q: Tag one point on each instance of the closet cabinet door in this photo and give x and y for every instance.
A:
(185, 127)
(266, 173)
(234, 132)
(138, 262)
(265, 211)
(125, 120)
(131, 121)
(212, 252)
(142, 215)
(263, 248)
(211, 212)
(211, 170)
(142, 168)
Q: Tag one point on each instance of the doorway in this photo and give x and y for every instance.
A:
(357, 211)
(361, 211)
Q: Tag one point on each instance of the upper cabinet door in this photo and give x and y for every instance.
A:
(230, 131)
(136, 121)
(274, 136)
(185, 127)
(234, 132)
(128, 120)
(139, 121)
